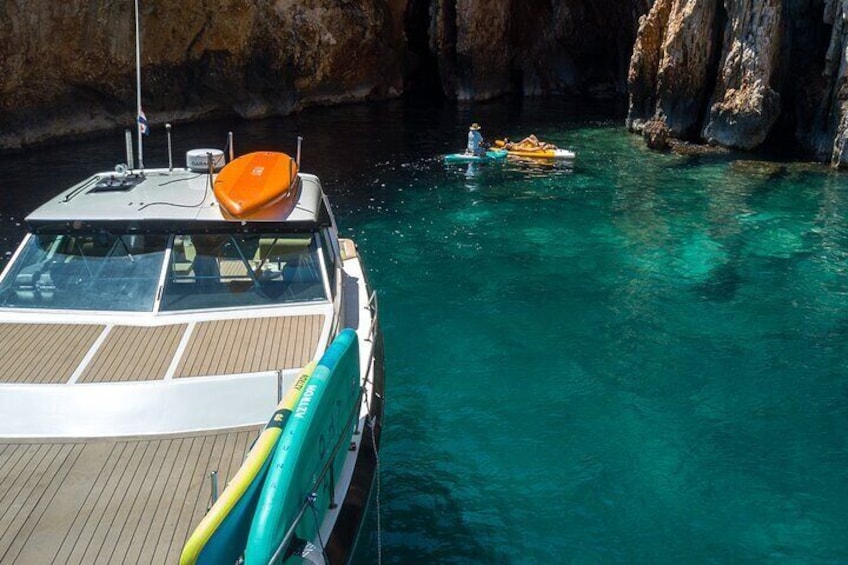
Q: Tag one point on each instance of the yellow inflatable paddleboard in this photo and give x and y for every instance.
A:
(537, 153)
(222, 534)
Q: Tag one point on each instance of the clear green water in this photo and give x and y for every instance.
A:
(640, 359)
(643, 359)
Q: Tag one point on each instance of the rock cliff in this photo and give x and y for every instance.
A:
(735, 73)
(745, 73)
(671, 65)
(744, 104)
(69, 68)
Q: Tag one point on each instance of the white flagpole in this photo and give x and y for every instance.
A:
(138, 89)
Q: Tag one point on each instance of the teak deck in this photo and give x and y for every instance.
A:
(46, 353)
(250, 345)
(128, 500)
(125, 354)
(110, 501)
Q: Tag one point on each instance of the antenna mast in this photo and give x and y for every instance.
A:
(140, 127)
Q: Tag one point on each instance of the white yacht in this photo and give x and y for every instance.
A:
(147, 339)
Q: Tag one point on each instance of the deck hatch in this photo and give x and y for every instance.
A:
(117, 183)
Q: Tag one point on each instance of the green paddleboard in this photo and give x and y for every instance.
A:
(310, 454)
(491, 155)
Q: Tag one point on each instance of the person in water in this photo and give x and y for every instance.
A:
(475, 141)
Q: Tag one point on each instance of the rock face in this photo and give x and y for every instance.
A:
(672, 58)
(744, 103)
(832, 112)
(472, 47)
(656, 134)
(489, 48)
(745, 73)
(69, 67)
(732, 73)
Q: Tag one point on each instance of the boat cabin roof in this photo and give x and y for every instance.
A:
(168, 200)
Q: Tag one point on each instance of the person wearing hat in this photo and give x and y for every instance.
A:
(475, 141)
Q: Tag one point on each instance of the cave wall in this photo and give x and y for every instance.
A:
(533, 47)
(745, 103)
(670, 68)
(831, 118)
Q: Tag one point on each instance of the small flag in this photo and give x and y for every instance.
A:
(143, 126)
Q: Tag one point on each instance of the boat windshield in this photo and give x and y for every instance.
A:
(86, 272)
(237, 270)
(122, 272)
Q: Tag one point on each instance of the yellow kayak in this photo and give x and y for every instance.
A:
(537, 153)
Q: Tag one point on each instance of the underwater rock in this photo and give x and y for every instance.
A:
(764, 169)
(721, 285)
(777, 241)
(699, 256)
(686, 148)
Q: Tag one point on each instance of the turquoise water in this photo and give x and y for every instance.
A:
(642, 358)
